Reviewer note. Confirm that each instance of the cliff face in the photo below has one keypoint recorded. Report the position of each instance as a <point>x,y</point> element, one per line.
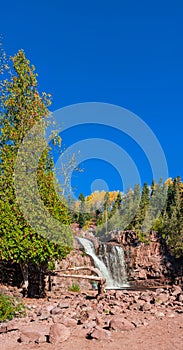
<point>147,261</point>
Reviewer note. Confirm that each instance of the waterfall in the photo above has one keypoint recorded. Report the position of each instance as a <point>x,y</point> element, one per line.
<point>110,262</point>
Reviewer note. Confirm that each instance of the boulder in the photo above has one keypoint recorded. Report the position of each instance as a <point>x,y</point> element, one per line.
<point>34,334</point>
<point>119,323</point>
<point>58,333</point>
<point>68,321</point>
<point>100,334</point>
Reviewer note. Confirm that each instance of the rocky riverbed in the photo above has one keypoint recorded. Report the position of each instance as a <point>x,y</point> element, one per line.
<point>122,319</point>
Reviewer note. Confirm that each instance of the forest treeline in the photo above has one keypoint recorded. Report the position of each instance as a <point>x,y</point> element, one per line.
<point>157,207</point>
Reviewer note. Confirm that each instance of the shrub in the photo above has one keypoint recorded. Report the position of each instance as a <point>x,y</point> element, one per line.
<point>74,288</point>
<point>10,307</point>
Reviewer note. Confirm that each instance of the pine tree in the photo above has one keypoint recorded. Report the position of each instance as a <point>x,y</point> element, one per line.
<point>82,210</point>
<point>116,205</point>
<point>173,217</point>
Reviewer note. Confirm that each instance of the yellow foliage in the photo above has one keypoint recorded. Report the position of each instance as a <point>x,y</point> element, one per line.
<point>169,182</point>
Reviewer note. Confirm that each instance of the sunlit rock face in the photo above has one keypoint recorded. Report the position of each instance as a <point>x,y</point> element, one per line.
<point>147,261</point>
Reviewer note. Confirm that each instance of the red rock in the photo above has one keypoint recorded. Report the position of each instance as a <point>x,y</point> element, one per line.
<point>141,302</point>
<point>3,329</point>
<point>159,314</point>
<point>68,322</point>
<point>63,305</point>
<point>146,307</point>
<point>58,333</point>
<point>84,315</point>
<point>176,290</point>
<point>44,315</point>
<point>56,311</point>
<point>90,324</point>
<point>80,332</point>
<point>30,337</point>
<point>121,324</point>
<point>163,298</point>
<point>100,334</point>
<point>100,321</point>
<point>13,325</point>
<point>142,274</point>
<point>34,334</point>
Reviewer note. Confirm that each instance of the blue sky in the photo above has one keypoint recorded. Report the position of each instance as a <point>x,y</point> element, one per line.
<point>127,53</point>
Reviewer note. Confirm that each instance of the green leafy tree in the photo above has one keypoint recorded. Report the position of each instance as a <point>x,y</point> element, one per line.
<point>22,107</point>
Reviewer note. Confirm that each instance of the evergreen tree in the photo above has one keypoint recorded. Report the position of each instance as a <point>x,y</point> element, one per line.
<point>81,217</point>
<point>106,208</point>
<point>22,107</point>
<point>142,208</point>
<point>173,217</point>
<point>116,205</point>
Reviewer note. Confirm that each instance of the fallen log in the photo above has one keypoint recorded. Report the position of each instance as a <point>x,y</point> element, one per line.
<point>100,279</point>
<point>88,277</point>
<point>90,268</point>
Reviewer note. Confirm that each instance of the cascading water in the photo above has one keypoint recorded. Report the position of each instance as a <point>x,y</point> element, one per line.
<point>113,258</point>
<point>110,262</point>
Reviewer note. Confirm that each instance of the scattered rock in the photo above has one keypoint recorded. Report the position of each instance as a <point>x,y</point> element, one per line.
<point>163,298</point>
<point>34,334</point>
<point>120,324</point>
<point>56,311</point>
<point>159,314</point>
<point>68,322</point>
<point>3,328</point>
<point>55,320</point>
<point>180,298</point>
<point>63,305</point>
<point>44,316</point>
<point>100,334</point>
<point>146,307</point>
<point>58,333</point>
<point>176,290</point>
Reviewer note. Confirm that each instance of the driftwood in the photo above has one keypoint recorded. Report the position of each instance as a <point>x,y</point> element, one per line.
<point>99,278</point>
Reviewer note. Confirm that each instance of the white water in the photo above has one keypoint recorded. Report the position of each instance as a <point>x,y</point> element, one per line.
<point>110,262</point>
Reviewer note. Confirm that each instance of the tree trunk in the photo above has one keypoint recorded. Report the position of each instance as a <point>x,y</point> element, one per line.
<point>25,275</point>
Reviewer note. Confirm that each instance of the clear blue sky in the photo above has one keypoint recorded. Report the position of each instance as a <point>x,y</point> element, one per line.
<point>128,53</point>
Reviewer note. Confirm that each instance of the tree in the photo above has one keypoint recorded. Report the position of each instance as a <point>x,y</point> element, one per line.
<point>83,216</point>
<point>123,211</point>
<point>22,108</point>
<point>172,227</point>
<point>142,209</point>
<point>82,209</point>
<point>116,205</point>
<point>106,208</point>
